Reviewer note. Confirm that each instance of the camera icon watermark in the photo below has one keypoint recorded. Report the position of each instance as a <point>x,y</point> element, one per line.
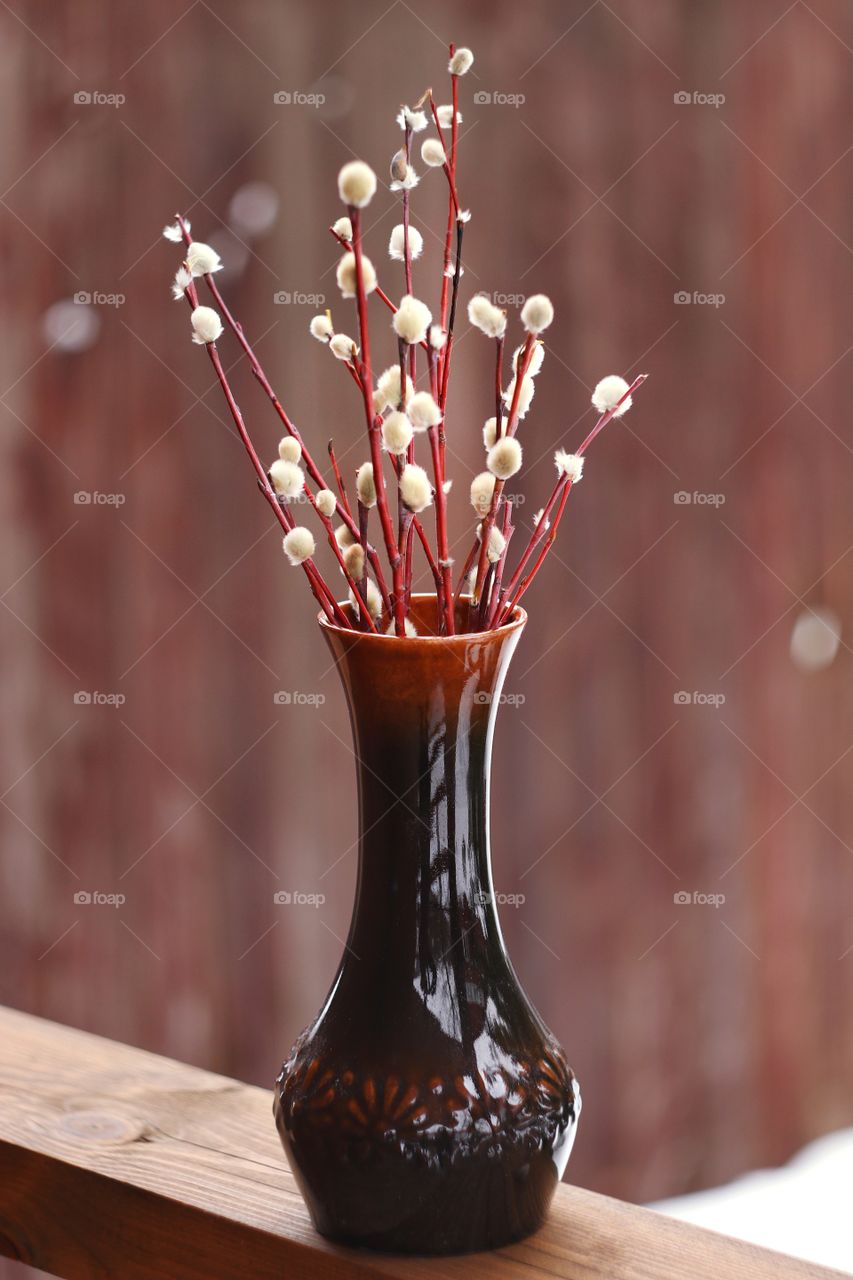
<point>683,298</point>
<point>696,899</point>
<point>698,99</point>
<point>684,698</point>
<point>296,898</point>
<point>682,498</point>
<point>296,698</point>
<point>283,298</point>
<point>497,98</point>
<point>500,899</point>
<point>94,698</point>
<point>83,298</point>
<point>85,898</point>
<point>94,498</point>
<point>95,98</point>
<point>296,98</point>
<point>503,699</point>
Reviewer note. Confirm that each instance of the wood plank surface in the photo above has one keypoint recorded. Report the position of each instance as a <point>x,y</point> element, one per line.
<point>117,1162</point>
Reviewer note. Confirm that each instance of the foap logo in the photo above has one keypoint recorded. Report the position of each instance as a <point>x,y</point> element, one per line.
<point>500,899</point>
<point>94,498</point>
<point>84,898</point>
<point>503,699</point>
<point>296,898</point>
<point>98,299</point>
<point>95,98</point>
<point>283,298</point>
<point>696,899</point>
<point>497,98</point>
<point>684,698</point>
<point>295,698</point>
<point>94,698</point>
<point>296,98</point>
<point>697,98</point>
<point>682,498</point>
<point>509,299</point>
<point>683,298</point>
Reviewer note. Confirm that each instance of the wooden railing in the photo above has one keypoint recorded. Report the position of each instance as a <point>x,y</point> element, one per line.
<point>116,1162</point>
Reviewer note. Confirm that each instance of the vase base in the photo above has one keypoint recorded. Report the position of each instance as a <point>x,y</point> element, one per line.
<point>427,1167</point>
<point>469,1211</point>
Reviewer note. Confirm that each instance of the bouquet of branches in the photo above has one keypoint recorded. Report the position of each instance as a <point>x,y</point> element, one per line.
<point>405,409</point>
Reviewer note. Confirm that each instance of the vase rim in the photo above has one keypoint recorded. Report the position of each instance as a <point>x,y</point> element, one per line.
<point>515,623</point>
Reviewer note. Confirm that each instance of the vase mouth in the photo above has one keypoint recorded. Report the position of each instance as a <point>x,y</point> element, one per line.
<point>423,611</point>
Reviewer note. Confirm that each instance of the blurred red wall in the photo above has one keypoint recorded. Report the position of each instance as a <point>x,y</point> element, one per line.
<point>708,1039</point>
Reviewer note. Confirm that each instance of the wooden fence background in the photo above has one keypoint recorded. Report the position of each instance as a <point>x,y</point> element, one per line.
<point>708,1039</point>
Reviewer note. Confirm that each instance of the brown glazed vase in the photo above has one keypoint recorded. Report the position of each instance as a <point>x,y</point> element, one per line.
<point>427,1109</point>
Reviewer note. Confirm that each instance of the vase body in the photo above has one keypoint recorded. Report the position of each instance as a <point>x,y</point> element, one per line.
<point>427,1109</point>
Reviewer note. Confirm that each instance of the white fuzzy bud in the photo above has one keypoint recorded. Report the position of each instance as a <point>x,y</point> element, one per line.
<point>387,393</point>
<point>609,392</point>
<point>354,561</point>
<point>289,450</point>
<point>490,432</point>
<point>408,626</point>
<point>485,316</point>
<point>497,542</point>
<point>343,537</point>
<point>321,328</point>
<point>569,464</point>
<point>343,228</point>
<point>423,411</point>
<point>365,485</point>
<point>357,184</point>
<point>537,313</point>
<point>397,243</point>
<point>172,231</point>
<point>346,275</point>
<point>536,519</point>
<point>202,260</point>
<point>411,320</point>
<point>206,325</point>
<point>415,488</point>
<point>287,478</point>
<point>372,598</point>
<point>482,488</point>
<point>342,347</point>
<point>504,458</point>
<point>432,153</point>
<point>416,121</point>
<point>407,180</point>
<point>525,395</point>
<point>397,432</point>
<point>326,503</point>
<point>437,337</point>
<point>299,544</point>
<point>462,61</point>
<point>537,355</point>
<point>180,282</point>
<point>445,116</point>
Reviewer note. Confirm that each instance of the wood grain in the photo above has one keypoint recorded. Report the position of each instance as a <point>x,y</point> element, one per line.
<point>114,1161</point>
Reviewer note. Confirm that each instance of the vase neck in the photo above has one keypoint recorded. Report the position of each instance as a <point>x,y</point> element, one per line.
<point>423,714</point>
